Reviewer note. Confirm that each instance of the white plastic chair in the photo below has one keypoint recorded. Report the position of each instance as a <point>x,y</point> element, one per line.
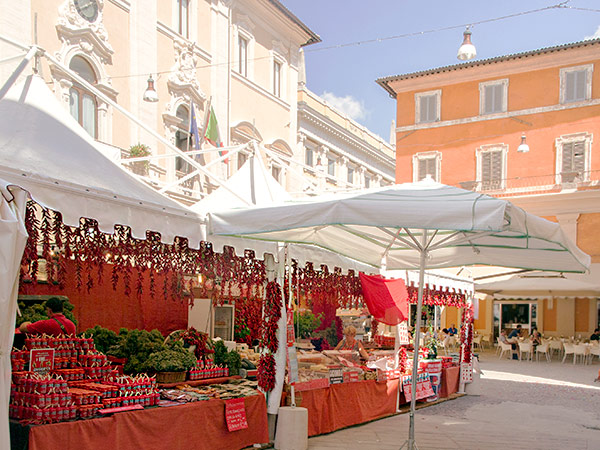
<point>581,350</point>
<point>557,345</point>
<point>526,347</point>
<point>544,348</point>
<point>504,348</point>
<point>485,340</point>
<point>569,349</point>
<point>594,350</point>
<point>477,341</point>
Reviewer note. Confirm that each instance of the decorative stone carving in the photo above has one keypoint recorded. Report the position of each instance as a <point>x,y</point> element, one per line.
<point>90,38</point>
<point>183,86</point>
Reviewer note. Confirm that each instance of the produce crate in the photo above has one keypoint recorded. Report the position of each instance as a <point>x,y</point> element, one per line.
<point>170,377</point>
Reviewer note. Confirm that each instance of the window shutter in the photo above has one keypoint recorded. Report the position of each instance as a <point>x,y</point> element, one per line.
<point>570,87</point>
<point>491,169</point>
<point>580,82</point>
<point>579,158</point>
<point>496,163</point>
<point>573,161</point>
<point>575,85</point>
<point>489,99</point>
<point>422,169</point>
<point>498,95</point>
<point>427,166</point>
<point>424,106</point>
<point>432,108</point>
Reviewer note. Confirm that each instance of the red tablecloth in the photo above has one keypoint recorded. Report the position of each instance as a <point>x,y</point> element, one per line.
<point>450,377</point>
<point>199,425</point>
<point>346,404</point>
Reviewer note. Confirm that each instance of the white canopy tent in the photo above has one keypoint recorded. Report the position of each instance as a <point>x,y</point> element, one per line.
<point>412,226</point>
<point>538,286</point>
<point>13,237</point>
<point>45,151</point>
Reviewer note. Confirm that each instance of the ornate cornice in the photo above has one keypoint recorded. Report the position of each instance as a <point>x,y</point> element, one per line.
<point>332,129</point>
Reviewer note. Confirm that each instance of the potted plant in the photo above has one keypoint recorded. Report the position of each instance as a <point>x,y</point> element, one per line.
<point>171,363</point>
<point>139,151</point>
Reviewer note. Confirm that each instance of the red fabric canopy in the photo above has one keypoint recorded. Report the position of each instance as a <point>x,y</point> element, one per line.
<point>387,300</point>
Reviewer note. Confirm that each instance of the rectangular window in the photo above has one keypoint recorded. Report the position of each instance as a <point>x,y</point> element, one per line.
<point>427,106</point>
<point>493,97</point>
<point>308,157</point>
<point>576,83</point>
<point>573,161</point>
<point>277,79</point>
<point>575,86</point>
<point>243,56</point>
<point>183,18</point>
<point>428,166</point>
<point>491,170</point>
<point>241,159</point>
<point>367,182</point>
<point>350,178</point>
<point>331,167</point>
<point>276,172</point>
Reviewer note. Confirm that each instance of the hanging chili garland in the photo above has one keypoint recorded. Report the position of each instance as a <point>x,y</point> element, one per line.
<point>266,372</point>
<point>466,334</point>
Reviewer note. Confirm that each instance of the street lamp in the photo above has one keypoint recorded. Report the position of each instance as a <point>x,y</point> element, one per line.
<point>150,94</point>
<point>467,49</point>
<point>523,147</point>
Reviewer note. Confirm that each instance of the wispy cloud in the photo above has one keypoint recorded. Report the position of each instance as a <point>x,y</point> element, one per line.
<point>354,108</point>
<point>596,35</point>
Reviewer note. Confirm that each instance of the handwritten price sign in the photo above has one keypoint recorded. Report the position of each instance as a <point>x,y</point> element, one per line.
<point>235,414</point>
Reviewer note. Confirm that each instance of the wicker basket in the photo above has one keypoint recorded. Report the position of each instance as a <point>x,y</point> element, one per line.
<point>170,377</point>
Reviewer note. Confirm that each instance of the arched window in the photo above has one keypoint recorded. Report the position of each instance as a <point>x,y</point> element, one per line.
<point>182,136</point>
<point>82,103</point>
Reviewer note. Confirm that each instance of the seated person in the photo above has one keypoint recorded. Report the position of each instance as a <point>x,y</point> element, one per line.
<point>56,325</point>
<point>535,338</point>
<point>452,331</point>
<point>350,343</point>
<point>503,337</point>
<point>513,339</point>
<point>595,335</point>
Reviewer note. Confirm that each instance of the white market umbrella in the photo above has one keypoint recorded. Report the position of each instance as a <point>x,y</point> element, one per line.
<point>420,226</point>
<point>538,286</point>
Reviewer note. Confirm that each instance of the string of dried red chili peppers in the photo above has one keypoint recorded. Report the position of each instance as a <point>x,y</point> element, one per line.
<point>266,372</point>
<point>466,335</point>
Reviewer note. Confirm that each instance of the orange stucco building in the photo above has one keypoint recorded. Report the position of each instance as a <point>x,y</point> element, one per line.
<point>464,124</point>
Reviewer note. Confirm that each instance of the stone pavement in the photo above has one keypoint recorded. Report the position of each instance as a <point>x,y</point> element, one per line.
<point>529,405</point>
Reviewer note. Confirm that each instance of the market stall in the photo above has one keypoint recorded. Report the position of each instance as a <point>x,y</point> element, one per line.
<point>193,425</point>
<point>128,234</point>
<point>413,226</point>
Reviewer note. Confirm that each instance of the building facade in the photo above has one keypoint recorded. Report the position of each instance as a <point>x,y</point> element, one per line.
<point>339,153</point>
<point>240,59</point>
<point>522,127</point>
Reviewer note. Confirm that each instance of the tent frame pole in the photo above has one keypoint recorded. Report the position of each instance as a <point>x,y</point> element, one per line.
<point>410,443</point>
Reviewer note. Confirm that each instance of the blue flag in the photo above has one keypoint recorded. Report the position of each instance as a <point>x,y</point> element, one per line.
<point>194,130</point>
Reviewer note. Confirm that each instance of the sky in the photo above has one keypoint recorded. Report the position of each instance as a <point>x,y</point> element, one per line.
<point>345,74</point>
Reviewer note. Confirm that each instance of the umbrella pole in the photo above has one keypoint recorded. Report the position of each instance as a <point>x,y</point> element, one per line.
<point>411,445</point>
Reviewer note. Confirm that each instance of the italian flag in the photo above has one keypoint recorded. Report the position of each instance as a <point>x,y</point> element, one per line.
<point>212,134</point>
